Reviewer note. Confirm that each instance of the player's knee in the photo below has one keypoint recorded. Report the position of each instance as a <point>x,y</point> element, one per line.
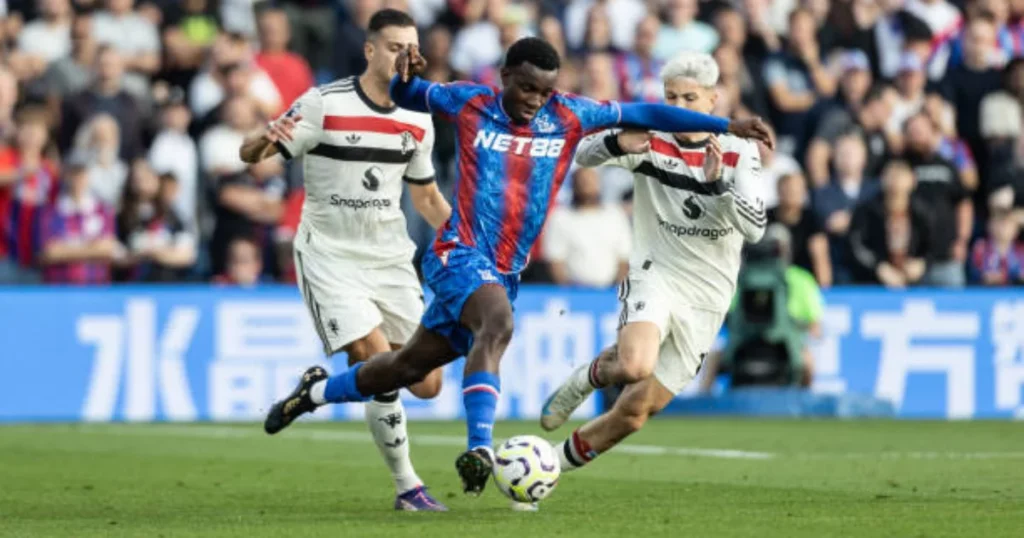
<point>497,330</point>
<point>636,371</point>
<point>635,364</point>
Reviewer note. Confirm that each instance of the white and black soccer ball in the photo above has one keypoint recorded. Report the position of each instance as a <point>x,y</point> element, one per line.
<point>526,468</point>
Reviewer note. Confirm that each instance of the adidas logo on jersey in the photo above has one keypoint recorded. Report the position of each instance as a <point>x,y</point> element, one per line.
<point>519,145</point>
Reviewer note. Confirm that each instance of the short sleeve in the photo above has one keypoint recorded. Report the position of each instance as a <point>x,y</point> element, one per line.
<point>421,168</point>
<point>594,115</point>
<point>308,131</point>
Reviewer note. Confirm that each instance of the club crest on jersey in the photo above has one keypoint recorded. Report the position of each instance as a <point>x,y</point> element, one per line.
<point>519,145</point>
<point>408,142</point>
<point>544,125</point>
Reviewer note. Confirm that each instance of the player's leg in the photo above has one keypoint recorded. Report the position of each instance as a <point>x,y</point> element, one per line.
<point>488,315</point>
<point>386,419</point>
<point>644,318</point>
<point>638,402</point>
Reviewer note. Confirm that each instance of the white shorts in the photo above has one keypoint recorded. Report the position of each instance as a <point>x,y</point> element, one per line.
<point>687,333</point>
<point>348,301</point>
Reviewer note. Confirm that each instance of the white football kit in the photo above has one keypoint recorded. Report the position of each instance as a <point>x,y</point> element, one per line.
<point>353,254</point>
<point>688,236</point>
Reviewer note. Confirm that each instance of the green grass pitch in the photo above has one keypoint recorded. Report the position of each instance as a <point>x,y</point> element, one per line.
<point>680,478</point>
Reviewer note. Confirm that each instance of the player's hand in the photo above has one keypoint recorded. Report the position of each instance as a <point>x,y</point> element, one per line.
<point>753,128</point>
<point>282,128</point>
<point>713,159</point>
<point>635,141</point>
<point>410,63</point>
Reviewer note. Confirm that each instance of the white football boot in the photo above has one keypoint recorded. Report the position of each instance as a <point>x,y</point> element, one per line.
<point>566,398</point>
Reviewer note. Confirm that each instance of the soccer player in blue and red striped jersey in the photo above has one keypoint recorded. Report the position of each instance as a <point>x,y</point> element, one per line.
<point>514,149</point>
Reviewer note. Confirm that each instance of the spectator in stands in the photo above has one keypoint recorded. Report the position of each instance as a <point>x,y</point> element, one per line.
<point>218,148</point>
<point>868,119</point>
<point>9,96</point>
<point>796,80</point>
<point>951,147</point>
<point>477,45</point>
<point>314,24</point>
<point>967,84</point>
<point>106,95</point>
<point>910,86</point>
<point>131,34</point>
<point>232,55</point>
<point>1001,129</point>
<point>626,14</point>
<point>598,36</point>
<point>941,189</point>
<point>639,71</point>
<point>835,202</point>
<point>550,30</point>
<point>587,243</point>
<point>890,233</point>
<point>189,31</point>
<point>737,84</point>
<point>78,232</point>
<point>28,184</point>
<point>48,38</point>
<point>682,32</point>
<point>99,140</point>
<point>599,77</point>
<point>244,264</point>
<point>775,166</point>
<point>174,152</point>
<point>248,204</point>
<point>998,258</point>
<point>289,71</point>
<point>349,59</point>
<point>72,73</point>
<point>809,243</point>
<point>237,83</point>
<point>160,248</point>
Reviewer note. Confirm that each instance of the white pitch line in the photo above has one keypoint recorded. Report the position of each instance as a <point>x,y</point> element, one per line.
<point>417,439</point>
<point>198,430</point>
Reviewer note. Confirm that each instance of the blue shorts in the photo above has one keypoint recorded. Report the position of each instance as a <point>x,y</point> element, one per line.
<point>453,280</point>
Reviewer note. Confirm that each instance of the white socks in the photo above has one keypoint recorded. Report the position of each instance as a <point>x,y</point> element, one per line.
<point>386,418</point>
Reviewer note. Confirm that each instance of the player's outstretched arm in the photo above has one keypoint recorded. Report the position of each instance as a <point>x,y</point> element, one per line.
<point>659,117</point>
<point>410,94</point>
<point>623,149</point>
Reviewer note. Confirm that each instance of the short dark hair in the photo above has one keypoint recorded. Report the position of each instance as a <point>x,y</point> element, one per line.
<point>389,17</point>
<point>533,51</point>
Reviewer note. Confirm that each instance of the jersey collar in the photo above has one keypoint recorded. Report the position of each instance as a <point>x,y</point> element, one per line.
<point>369,102</point>
<point>686,144</point>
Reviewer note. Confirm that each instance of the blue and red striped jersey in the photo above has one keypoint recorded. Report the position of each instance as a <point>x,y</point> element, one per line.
<point>507,174</point>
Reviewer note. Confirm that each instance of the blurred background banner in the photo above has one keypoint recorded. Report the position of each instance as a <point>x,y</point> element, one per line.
<point>196,353</point>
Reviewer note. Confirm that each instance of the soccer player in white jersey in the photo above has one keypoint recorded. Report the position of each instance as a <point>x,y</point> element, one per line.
<point>697,199</point>
<point>353,255</point>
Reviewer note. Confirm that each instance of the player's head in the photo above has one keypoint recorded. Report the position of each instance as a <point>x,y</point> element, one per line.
<point>390,32</point>
<point>528,76</point>
<point>689,80</point>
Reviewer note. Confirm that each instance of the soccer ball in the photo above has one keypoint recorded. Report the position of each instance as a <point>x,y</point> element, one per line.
<point>526,468</point>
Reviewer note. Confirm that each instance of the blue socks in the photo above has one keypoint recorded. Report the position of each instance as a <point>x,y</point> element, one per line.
<point>480,391</point>
<point>342,387</point>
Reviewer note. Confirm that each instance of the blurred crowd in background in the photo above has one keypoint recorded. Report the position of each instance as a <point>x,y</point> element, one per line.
<point>899,159</point>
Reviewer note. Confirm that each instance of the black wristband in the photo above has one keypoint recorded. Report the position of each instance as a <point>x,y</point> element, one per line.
<point>612,143</point>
